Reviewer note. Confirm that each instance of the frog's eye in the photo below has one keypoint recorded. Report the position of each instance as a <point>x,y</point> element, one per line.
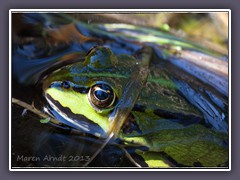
<point>101,96</point>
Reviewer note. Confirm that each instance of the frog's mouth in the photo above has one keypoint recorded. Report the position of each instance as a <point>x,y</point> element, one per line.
<point>81,123</point>
<point>76,121</point>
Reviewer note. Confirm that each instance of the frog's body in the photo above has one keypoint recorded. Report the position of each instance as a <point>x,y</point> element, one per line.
<point>162,117</point>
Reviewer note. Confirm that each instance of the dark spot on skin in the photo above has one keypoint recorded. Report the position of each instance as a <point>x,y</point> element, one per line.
<point>139,108</point>
<point>184,119</point>
<point>65,84</point>
<point>80,89</point>
<point>130,125</point>
<point>165,114</point>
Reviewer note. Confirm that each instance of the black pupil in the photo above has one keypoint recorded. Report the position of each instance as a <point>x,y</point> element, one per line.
<point>101,95</point>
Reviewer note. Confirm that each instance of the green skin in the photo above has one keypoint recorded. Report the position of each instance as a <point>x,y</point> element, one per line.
<point>169,143</point>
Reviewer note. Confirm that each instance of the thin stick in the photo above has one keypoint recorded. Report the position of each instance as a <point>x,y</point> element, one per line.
<point>99,150</point>
<point>33,110</point>
<point>130,157</point>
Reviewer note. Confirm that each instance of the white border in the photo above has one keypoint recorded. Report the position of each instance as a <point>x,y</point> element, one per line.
<point>114,11</point>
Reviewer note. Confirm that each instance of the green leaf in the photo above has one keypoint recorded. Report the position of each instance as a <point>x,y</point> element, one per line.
<point>46,120</point>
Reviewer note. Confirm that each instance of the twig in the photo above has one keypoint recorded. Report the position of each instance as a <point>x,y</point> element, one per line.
<point>130,157</point>
<point>99,150</point>
<point>33,109</point>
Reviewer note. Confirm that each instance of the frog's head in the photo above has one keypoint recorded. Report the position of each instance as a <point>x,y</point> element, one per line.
<point>84,94</point>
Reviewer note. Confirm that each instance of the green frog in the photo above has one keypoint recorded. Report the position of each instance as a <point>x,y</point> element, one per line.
<point>133,99</point>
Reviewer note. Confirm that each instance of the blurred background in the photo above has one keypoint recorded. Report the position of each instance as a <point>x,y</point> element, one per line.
<point>209,29</point>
